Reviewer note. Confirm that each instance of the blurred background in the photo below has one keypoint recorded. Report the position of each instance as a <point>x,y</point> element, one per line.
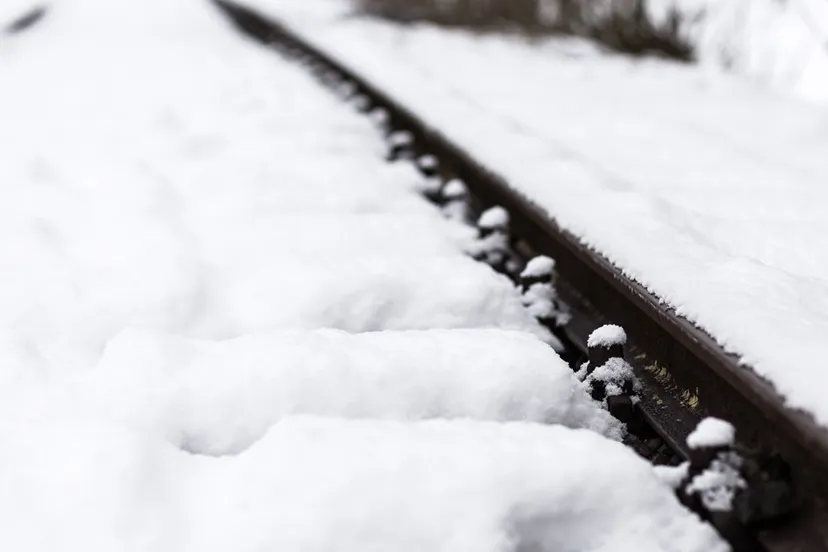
<point>784,41</point>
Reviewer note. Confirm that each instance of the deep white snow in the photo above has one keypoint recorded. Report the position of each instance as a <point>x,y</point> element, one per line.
<point>170,196</point>
<point>326,485</point>
<point>707,188</point>
<point>220,397</point>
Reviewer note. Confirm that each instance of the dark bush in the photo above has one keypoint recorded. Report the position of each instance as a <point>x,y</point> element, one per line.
<point>623,25</point>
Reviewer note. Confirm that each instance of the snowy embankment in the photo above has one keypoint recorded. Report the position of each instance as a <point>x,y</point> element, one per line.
<point>170,197</point>
<point>704,187</point>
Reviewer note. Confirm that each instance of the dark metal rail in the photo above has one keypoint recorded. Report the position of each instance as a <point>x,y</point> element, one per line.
<point>25,21</point>
<point>686,375</point>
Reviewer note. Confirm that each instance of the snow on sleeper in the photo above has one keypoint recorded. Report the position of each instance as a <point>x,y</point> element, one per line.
<point>367,294</point>
<point>220,397</point>
<point>323,485</point>
<point>294,237</point>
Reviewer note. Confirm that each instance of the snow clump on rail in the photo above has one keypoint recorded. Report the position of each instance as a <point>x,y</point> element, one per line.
<point>607,336</point>
<point>538,267</point>
<point>494,218</point>
<point>220,397</point>
<point>712,433</point>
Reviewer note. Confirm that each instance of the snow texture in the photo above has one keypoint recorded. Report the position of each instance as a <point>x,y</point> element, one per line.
<point>166,186</point>
<point>310,236</point>
<point>708,189</point>
<point>712,432</point>
<point>607,336</point>
<point>364,293</point>
<point>327,484</point>
<point>615,375</point>
<point>220,397</point>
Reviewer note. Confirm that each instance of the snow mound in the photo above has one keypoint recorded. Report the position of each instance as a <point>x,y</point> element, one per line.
<point>332,236</point>
<point>329,485</point>
<point>351,486</point>
<point>220,397</point>
<point>362,294</point>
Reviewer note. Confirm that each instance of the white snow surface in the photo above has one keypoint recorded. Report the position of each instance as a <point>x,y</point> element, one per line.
<point>315,236</point>
<point>220,397</point>
<point>326,484</point>
<point>364,293</point>
<point>706,188</point>
<point>154,166</point>
<point>133,192</point>
<point>712,432</point>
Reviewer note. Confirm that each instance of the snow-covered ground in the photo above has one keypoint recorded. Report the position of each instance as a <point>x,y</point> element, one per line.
<point>705,187</point>
<point>180,213</point>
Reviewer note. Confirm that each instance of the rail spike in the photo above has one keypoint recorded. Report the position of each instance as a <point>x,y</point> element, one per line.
<point>539,294</point>
<point>454,199</point>
<point>400,145</point>
<point>608,377</point>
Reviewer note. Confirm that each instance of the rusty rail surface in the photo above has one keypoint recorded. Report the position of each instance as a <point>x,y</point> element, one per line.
<point>685,374</point>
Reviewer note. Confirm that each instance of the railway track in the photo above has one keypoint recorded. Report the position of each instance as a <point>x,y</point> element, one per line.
<point>684,375</point>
